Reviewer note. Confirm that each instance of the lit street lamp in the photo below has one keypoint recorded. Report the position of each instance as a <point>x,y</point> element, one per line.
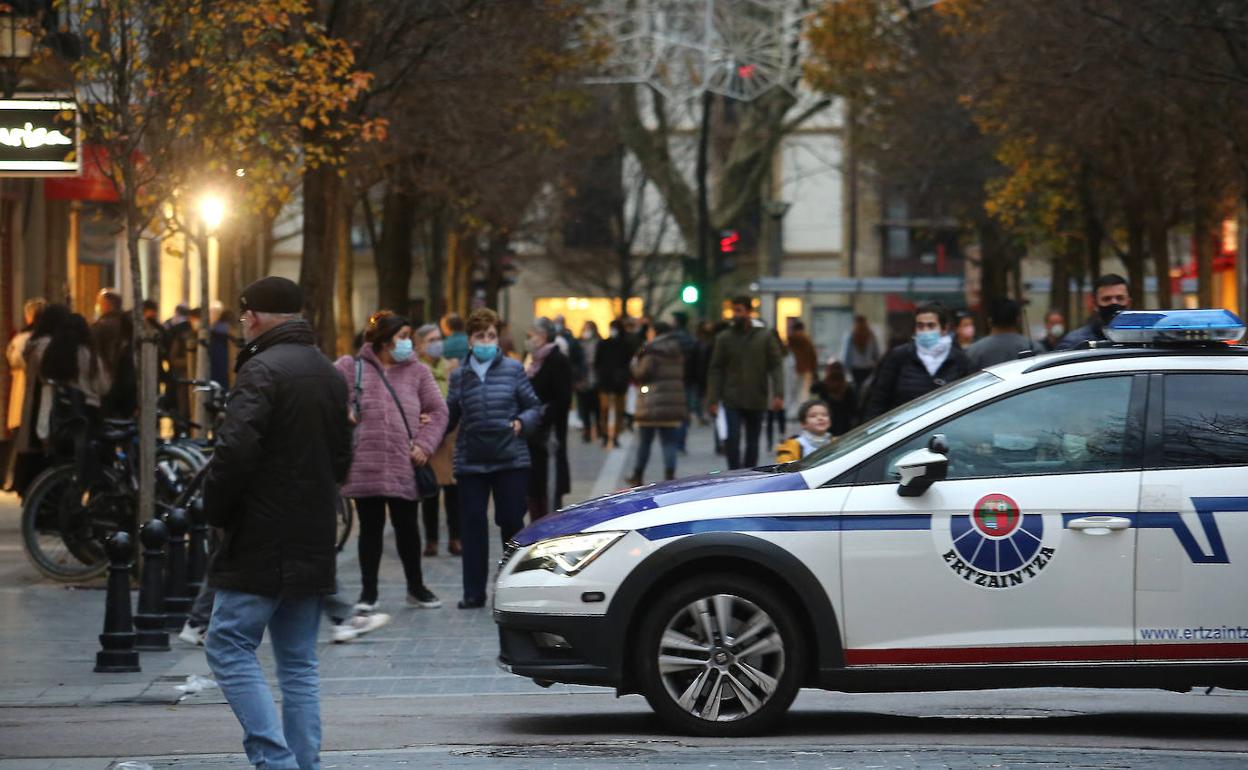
<point>212,212</point>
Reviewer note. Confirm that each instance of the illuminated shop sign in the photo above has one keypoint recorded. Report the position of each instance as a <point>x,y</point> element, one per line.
<point>38,137</point>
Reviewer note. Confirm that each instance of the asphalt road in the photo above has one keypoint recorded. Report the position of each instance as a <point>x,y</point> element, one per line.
<point>424,692</point>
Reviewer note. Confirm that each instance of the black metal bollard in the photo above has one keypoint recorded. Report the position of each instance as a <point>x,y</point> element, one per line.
<point>197,555</point>
<point>117,653</point>
<point>177,595</point>
<point>149,621</point>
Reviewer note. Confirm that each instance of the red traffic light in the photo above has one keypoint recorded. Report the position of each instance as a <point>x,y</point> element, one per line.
<point>728,241</point>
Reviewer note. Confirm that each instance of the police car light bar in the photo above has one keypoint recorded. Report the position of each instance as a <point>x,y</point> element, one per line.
<point>1170,326</point>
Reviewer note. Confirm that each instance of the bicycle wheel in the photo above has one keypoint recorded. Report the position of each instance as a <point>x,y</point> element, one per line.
<point>64,525</point>
<point>346,515</point>
<point>176,469</point>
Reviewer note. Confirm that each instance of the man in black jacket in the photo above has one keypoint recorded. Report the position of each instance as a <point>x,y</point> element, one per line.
<point>919,366</point>
<point>283,449</point>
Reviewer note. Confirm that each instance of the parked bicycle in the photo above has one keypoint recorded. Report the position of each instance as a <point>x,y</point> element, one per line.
<point>73,507</point>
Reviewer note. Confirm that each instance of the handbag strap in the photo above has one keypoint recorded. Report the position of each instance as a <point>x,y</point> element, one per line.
<point>385,381</point>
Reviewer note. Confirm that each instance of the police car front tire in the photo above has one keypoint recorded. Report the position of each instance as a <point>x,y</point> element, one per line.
<point>720,655</point>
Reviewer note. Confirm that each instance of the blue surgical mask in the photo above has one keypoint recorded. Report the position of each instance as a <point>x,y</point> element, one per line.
<point>485,353</point>
<point>434,349</point>
<point>402,350</point>
<point>927,340</point>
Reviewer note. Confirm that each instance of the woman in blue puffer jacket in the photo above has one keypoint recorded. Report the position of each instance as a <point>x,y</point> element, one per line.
<point>492,402</point>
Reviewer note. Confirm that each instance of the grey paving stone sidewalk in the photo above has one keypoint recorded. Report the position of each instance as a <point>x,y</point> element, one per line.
<point>50,631</point>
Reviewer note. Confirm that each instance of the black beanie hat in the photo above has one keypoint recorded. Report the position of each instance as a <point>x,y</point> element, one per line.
<point>272,294</point>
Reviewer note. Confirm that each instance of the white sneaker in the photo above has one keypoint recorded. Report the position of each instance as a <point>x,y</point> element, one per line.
<point>193,634</point>
<point>364,608</point>
<point>359,625</point>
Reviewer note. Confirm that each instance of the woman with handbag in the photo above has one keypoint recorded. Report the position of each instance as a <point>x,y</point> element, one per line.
<point>494,406</point>
<point>400,417</point>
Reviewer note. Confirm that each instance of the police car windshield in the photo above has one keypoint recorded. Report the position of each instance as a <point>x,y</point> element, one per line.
<point>848,442</point>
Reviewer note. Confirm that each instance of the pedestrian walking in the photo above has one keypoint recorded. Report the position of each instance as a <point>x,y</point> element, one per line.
<point>551,374</point>
<point>400,418</point>
<point>112,337</point>
<point>430,349</point>
<point>492,403</point>
<point>29,457</point>
<point>282,449</point>
<point>79,383</point>
<point>745,363</point>
<point>220,338</point>
<point>1054,330</point>
<point>180,341</point>
<point>587,404</point>
<point>31,310</point>
<point>1005,339</point>
<point>689,349</point>
<point>920,366</point>
<point>862,352</point>
<point>964,330</point>
<point>611,362</point>
<point>659,371</point>
<point>840,396</point>
<point>454,340</point>
<point>788,376</point>
<point>1110,297</point>
<point>805,359</point>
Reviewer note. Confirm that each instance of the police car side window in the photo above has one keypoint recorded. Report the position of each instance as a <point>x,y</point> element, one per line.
<point>1078,426</point>
<point>1206,420</point>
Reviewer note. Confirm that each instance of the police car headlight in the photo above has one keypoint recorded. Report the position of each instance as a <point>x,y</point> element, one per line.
<point>567,555</point>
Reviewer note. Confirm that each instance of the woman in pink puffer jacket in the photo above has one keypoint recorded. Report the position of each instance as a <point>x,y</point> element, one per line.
<point>382,472</point>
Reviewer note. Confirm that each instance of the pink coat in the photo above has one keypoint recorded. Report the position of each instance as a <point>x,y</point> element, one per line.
<point>381,466</point>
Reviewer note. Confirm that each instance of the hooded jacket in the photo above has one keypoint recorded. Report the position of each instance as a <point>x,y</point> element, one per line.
<point>272,484</point>
<point>659,370</point>
<point>382,464</point>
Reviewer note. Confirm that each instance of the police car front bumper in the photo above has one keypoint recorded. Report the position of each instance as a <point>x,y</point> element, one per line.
<point>571,649</point>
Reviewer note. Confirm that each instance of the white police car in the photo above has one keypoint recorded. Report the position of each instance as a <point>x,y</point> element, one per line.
<point>1076,518</point>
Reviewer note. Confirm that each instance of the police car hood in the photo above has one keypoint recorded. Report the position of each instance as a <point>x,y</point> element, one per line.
<point>578,518</point>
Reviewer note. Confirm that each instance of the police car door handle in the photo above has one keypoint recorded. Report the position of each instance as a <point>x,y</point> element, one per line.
<point>1099,525</point>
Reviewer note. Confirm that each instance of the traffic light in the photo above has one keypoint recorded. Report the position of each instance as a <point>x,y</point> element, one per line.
<point>691,285</point>
<point>726,254</point>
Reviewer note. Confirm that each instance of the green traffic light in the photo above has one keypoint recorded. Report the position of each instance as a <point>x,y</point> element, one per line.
<point>689,294</point>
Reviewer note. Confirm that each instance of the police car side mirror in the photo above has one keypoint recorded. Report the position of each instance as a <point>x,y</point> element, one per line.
<point>923,467</point>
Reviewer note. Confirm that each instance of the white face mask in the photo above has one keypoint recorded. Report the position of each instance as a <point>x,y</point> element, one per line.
<point>1057,330</point>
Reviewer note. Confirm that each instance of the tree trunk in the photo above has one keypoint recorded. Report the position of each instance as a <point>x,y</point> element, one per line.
<point>316,268</point>
<point>345,260</point>
<point>144,346</point>
<point>1059,289</point>
<point>499,244</point>
<point>1134,258</point>
<point>994,263</point>
<point>1093,229</point>
<point>1159,249</point>
<point>1203,236</point>
<point>394,253</point>
<point>435,268</point>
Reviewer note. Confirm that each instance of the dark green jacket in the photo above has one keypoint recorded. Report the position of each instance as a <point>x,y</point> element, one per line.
<point>740,368</point>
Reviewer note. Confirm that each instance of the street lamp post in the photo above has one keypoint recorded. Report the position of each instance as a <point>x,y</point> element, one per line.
<point>212,211</point>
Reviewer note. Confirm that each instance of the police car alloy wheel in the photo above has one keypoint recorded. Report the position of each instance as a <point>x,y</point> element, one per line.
<point>720,655</point>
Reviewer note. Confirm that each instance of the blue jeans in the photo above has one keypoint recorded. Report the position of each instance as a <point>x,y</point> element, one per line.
<point>669,438</point>
<point>238,623</point>
<point>509,489</point>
